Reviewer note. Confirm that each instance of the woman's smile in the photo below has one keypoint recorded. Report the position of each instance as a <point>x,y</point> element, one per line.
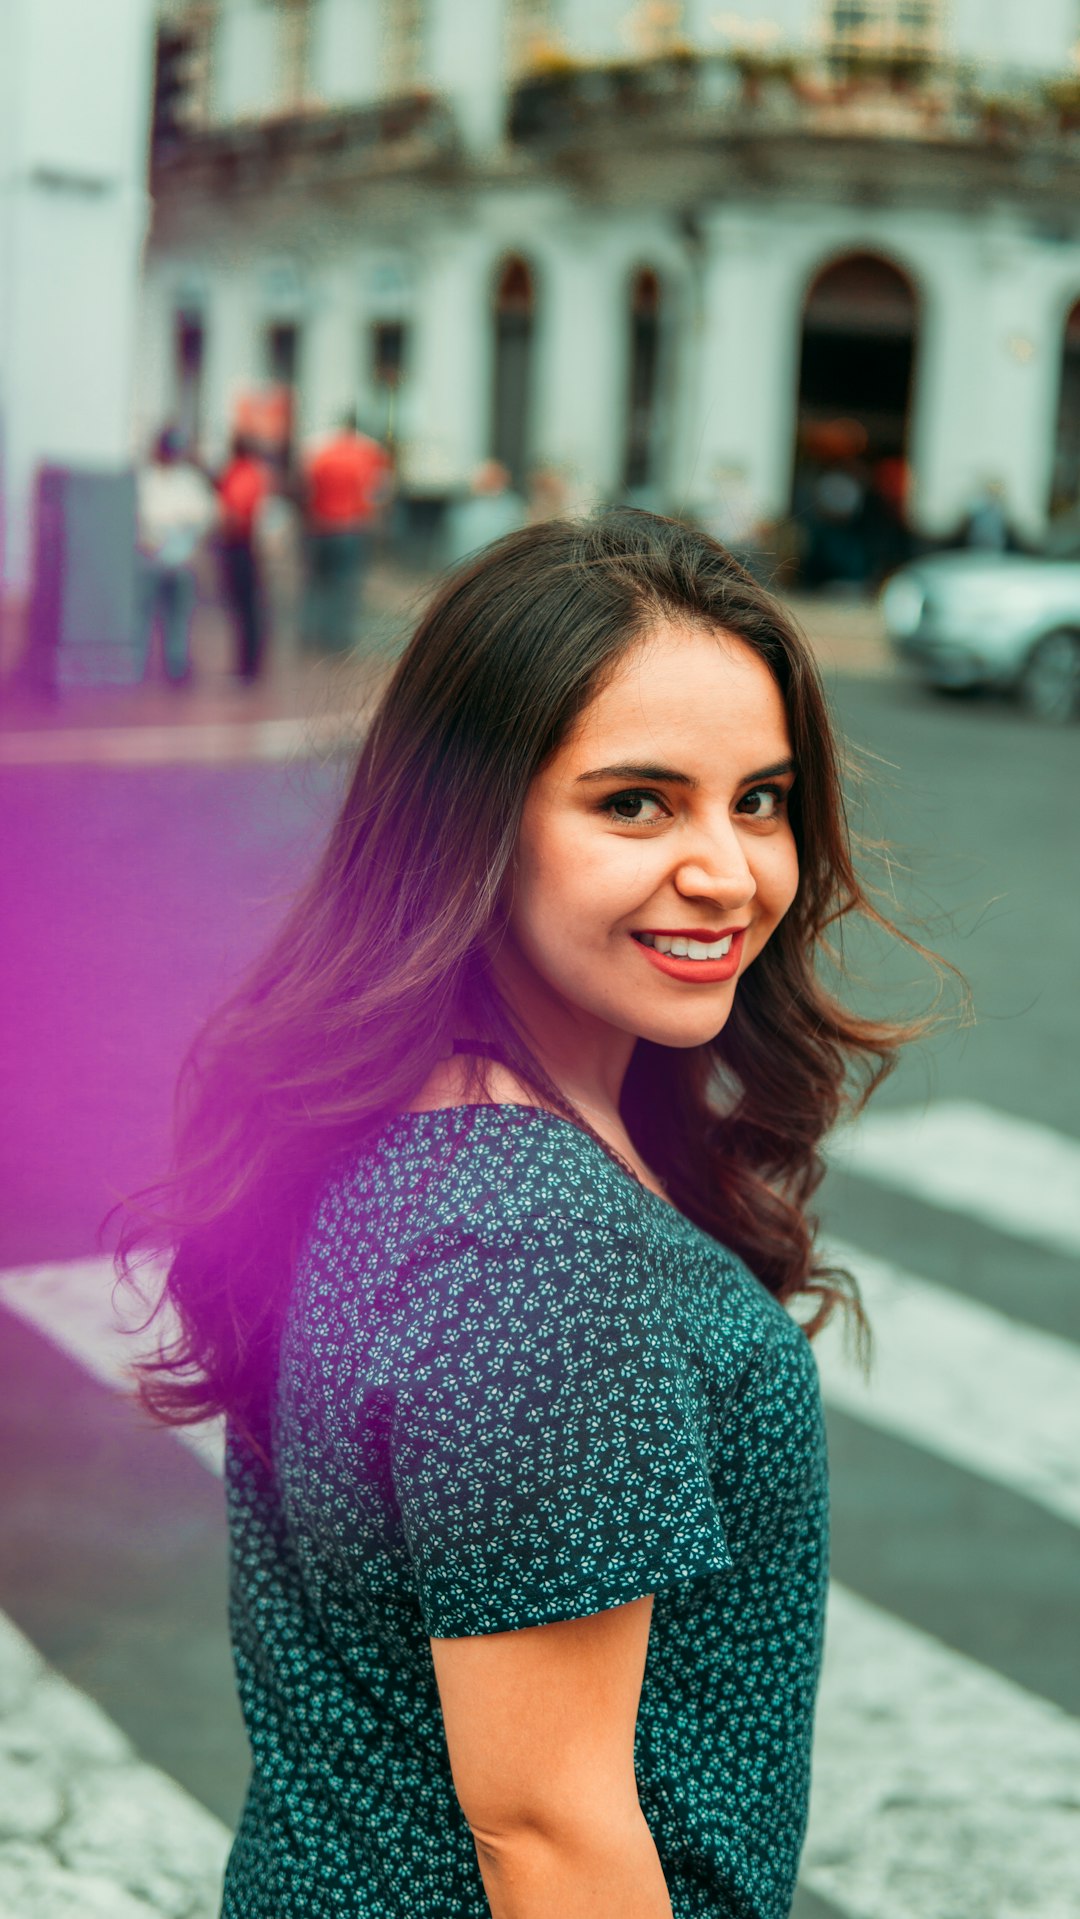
<point>658,838</point>
<point>702,961</point>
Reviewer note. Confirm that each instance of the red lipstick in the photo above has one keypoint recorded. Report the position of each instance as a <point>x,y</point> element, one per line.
<point>699,972</point>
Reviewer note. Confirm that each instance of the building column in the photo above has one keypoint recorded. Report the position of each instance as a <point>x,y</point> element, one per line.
<point>330,358</point>
<point>987,378</point>
<point>231,354</point>
<point>466,61</point>
<point>450,376</point>
<point>744,369</point>
<point>73,215</point>
<point>581,367</point>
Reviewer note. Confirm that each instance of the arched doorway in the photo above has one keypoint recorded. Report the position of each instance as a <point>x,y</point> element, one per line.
<point>1065,484</point>
<point>511,423</point>
<point>643,391</point>
<point>856,370</point>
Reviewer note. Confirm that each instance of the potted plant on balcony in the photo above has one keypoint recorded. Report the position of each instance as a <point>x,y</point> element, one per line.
<point>1063,98</point>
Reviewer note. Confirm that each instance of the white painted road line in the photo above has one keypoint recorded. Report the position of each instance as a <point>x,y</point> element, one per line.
<point>939,1788</point>
<point>78,1306</point>
<point>87,1827</point>
<point>962,1380</point>
<point>959,1379</point>
<point>1009,1173</point>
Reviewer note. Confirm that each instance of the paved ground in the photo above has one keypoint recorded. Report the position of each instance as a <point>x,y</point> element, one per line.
<point>302,705</point>
<point>949,1737</point>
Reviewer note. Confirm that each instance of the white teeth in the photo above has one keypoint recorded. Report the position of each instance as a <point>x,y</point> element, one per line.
<point>687,948</point>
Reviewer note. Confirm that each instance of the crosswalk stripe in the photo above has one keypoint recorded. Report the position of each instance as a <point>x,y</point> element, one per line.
<point>1010,1173</point>
<point>963,1381</point>
<point>78,1306</point>
<point>959,1379</point>
<point>88,1826</point>
<point>938,1786</point>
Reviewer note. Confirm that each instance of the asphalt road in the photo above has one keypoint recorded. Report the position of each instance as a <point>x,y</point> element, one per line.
<point>132,895</point>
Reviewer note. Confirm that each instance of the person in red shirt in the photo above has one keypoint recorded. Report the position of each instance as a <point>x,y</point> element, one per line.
<point>346,480</point>
<point>242,488</point>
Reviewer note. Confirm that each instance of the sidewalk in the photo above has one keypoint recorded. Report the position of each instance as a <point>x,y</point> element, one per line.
<point>87,1829</point>
<point>305,708</point>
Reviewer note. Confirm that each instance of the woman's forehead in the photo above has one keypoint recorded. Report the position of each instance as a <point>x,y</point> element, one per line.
<point>680,686</point>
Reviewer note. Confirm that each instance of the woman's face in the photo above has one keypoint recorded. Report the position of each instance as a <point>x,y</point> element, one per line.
<point>661,821</point>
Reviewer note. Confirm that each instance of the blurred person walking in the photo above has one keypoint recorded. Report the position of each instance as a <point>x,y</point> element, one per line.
<point>242,490</point>
<point>346,482</point>
<point>175,508</point>
<point>490,509</point>
<point>987,527</point>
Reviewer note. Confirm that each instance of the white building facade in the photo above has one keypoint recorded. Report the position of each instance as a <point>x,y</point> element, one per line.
<point>643,245</point>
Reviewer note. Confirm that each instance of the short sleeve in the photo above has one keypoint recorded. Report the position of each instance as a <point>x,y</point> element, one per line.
<point>548,1440</point>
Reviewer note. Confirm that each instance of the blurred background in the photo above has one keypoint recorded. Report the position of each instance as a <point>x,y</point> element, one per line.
<point>302,300</point>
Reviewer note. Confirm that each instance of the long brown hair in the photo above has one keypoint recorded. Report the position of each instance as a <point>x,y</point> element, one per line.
<point>386,955</point>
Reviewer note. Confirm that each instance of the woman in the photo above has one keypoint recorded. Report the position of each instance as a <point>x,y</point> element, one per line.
<point>490,1199</point>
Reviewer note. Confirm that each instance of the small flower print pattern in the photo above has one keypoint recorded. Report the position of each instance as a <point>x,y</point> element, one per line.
<point>517,1386</point>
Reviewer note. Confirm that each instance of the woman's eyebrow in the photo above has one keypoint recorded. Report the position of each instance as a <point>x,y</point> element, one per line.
<point>639,773</point>
<point>668,773</point>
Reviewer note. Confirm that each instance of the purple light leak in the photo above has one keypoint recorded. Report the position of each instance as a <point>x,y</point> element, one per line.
<point>129,899</point>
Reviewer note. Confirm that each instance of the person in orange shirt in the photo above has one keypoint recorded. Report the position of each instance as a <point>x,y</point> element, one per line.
<point>346,481</point>
<point>242,488</point>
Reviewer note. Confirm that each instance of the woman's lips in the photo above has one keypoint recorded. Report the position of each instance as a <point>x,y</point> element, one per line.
<point>701,972</point>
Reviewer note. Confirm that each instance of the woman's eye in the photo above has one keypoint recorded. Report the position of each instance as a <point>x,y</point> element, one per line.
<point>763,802</point>
<point>633,808</point>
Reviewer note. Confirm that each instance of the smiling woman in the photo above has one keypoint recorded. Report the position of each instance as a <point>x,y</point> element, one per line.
<point>491,1189</point>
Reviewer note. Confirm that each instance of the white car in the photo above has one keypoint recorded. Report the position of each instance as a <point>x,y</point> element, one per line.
<point>1003,620</point>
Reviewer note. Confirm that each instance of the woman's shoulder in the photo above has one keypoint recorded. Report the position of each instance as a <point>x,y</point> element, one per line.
<point>487,1169</point>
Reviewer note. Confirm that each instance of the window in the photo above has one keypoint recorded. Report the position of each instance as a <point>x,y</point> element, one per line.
<point>189,344</point>
<point>639,457</point>
<point>885,28</point>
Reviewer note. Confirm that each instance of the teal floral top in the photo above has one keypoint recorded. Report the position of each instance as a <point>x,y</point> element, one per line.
<point>517,1386</point>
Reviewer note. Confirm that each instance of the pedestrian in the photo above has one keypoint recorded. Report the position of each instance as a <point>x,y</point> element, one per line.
<point>489,1207</point>
<point>243,489</point>
<point>490,509</point>
<point>987,527</point>
<point>175,509</point>
<point>346,483</point>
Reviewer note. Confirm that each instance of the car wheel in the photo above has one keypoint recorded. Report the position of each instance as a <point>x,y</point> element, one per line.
<point>1050,682</point>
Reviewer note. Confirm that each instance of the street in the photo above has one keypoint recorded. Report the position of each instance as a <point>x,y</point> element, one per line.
<point>949,1728</point>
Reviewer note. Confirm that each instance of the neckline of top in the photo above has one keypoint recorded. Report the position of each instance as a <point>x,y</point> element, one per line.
<point>538,1112</point>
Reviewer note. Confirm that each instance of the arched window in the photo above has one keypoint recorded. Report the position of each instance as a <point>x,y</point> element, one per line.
<point>1065,492</point>
<point>511,423</point>
<point>860,325</point>
<point>859,336</point>
<point>639,463</point>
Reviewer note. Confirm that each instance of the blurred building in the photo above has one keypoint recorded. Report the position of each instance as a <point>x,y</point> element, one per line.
<point>74,112</point>
<point>660,248</point>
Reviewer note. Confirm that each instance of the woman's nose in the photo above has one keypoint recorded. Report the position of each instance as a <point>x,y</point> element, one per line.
<point>718,871</point>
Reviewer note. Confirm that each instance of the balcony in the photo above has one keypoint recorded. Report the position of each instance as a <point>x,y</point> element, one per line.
<point>783,119</point>
<point>309,148</point>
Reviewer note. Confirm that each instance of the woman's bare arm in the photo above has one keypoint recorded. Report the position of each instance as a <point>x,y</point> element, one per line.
<point>540,1729</point>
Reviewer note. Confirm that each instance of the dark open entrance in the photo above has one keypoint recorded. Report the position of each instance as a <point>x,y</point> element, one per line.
<point>639,462</point>
<point>189,344</point>
<point>282,349</point>
<point>858,352</point>
<point>511,424</point>
<point>859,336</point>
<point>1065,488</point>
